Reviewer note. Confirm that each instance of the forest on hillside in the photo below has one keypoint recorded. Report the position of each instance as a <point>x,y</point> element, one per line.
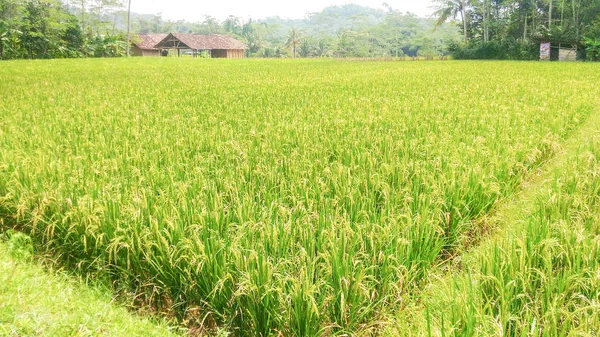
<point>498,29</point>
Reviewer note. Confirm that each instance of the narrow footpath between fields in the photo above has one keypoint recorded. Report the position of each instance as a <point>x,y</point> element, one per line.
<point>538,272</point>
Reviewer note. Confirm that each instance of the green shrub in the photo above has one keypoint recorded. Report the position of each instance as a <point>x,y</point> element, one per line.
<point>494,50</point>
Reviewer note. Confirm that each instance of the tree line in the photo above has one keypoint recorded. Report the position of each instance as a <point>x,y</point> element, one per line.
<point>37,29</point>
<point>337,31</point>
<point>513,29</point>
<point>498,29</point>
<point>96,28</point>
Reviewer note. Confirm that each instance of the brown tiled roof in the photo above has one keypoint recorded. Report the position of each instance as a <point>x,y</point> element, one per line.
<point>205,42</point>
<point>148,41</point>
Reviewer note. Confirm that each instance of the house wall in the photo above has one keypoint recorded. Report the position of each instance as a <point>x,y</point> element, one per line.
<point>215,53</point>
<point>569,55</point>
<point>235,53</point>
<point>136,51</point>
<point>218,53</point>
<point>153,53</point>
<point>227,53</point>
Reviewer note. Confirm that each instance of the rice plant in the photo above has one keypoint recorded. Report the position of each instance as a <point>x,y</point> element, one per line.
<point>541,279</point>
<point>272,197</point>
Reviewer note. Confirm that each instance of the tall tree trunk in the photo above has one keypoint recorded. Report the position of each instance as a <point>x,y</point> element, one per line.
<point>128,27</point>
<point>485,21</point>
<point>83,16</point>
<point>489,20</point>
<point>576,18</point>
<point>525,29</point>
<point>562,13</point>
<point>464,20</point>
<point>550,15</point>
<point>114,26</point>
<point>534,23</point>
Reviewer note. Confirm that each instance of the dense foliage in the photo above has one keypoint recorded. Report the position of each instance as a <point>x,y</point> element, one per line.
<point>513,29</point>
<point>37,29</point>
<point>338,31</point>
<point>256,203</point>
<point>58,29</point>
<point>467,29</point>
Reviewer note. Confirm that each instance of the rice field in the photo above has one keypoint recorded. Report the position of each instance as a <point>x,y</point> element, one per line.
<point>279,197</point>
<point>540,276</point>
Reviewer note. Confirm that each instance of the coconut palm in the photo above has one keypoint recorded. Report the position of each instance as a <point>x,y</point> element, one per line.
<point>306,48</point>
<point>233,25</point>
<point>293,39</point>
<point>446,9</point>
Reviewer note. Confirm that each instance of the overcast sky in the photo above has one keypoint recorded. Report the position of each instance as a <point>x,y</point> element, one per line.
<point>195,10</point>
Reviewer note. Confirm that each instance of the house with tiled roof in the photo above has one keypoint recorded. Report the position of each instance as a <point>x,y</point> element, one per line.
<point>213,45</point>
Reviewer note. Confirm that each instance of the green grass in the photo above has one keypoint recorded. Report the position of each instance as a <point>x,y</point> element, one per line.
<point>36,302</point>
<point>267,197</point>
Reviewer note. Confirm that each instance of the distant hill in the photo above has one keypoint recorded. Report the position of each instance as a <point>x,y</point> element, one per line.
<point>343,31</point>
<point>331,20</point>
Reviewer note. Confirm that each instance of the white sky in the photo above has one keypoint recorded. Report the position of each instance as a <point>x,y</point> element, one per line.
<point>195,10</point>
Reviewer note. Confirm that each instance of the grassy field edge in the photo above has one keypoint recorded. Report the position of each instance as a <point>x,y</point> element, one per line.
<point>35,301</point>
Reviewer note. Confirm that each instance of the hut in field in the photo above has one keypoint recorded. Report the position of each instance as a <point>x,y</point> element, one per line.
<point>144,44</point>
<point>559,51</point>
<point>214,45</point>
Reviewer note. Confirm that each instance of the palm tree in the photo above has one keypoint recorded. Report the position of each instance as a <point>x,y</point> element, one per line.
<point>321,49</point>
<point>232,25</point>
<point>306,48</point>
<point>451,9</point>
<point>293,39</point>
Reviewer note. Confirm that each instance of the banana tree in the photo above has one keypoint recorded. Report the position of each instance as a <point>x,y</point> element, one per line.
<point>592,48</point>
<point>9,42</point>
<point>3,41</point>
<point>109,46</point>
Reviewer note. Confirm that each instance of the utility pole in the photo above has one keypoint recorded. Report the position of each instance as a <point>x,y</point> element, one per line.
<point>128,27</point>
